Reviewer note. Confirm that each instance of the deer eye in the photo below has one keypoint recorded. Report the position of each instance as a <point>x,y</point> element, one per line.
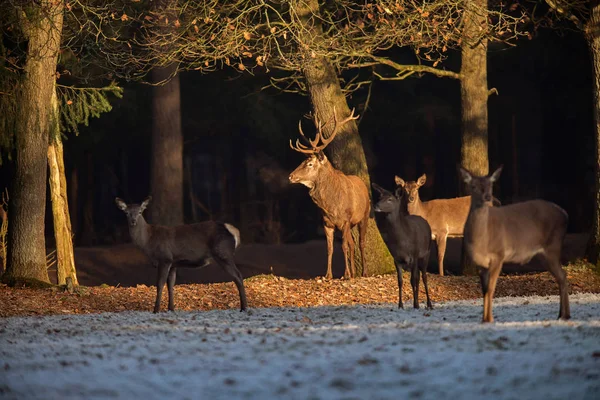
<point>310,164</point>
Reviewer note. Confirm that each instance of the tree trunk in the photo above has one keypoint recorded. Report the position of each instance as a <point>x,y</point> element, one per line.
<point>474,95</point>
<point>166,181</point>
<point>60,211</point>
<point>345,152</point>
<point>42,25</point>
<point>592,31</point>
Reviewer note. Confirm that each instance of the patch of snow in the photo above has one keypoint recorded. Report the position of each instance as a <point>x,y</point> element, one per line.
<point>350,352</point>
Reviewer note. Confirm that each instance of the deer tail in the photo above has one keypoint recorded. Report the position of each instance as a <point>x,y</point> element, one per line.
<point>235,232</point>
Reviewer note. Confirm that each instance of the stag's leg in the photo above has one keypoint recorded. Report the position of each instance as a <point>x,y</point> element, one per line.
<point>440,240</point>
<point>349,252</point>
<point>329,234</point>
<point>362,235</point>
<point>170,284</point>
<point>494,272</point>
<point>161,279</point>
<point>553,265</point>
<point>399,270</point>
<point>423,263</point>
<point>414,281</point>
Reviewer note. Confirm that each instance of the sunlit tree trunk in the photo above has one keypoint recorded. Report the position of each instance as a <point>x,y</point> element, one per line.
<point>592,31</point>
<point>41,23</point>
<point>474,96</point>
<point>346,151</point>
<point>65,259</point>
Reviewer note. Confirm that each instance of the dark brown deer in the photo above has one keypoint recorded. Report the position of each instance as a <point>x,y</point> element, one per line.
<point>343,199</point>
<point>513,233</point>
<point>193,245</point>
<point>446,217</point>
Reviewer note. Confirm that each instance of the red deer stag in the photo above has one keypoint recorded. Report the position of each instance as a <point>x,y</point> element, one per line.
<point>514,233</point>
<point>343,199</point>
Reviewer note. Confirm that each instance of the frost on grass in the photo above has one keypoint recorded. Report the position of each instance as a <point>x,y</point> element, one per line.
<point>363,351</point>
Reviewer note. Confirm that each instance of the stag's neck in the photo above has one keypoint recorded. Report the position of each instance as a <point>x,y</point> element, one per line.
<point>140,233</point>
<point>325,183</point>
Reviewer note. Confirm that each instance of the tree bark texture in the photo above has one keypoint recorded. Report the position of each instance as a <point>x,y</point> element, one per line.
<point>346,151</point>
<point>166,180</point>
<point>42,24</point>
<point>65,259</point>
<point>474,96</point>
<point>592,31</point>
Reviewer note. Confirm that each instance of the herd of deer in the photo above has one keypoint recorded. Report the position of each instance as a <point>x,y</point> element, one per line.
<point>492,234</point>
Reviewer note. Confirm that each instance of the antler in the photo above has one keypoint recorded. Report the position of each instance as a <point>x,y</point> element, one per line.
<point>315,147</point>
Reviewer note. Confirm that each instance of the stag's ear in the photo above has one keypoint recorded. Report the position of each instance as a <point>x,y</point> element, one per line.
<point>465,175</point>
<point>121,204</point>
<point>422,179</point>
<point>399,181</point>
<point>145,203</point>
<point>496,174</point>
<point>321,157</point>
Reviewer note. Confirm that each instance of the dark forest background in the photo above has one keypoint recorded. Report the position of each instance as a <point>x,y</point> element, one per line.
<point>237,156</point>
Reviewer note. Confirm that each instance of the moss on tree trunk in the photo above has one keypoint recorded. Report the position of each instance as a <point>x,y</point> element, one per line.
<point>474,95</point>
<point>42,25</point>
<point>346,151</point>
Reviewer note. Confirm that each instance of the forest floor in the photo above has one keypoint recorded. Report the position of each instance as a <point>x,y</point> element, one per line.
<point>276,291</point>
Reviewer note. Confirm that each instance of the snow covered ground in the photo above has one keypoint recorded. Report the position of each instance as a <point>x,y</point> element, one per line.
<point>359,352</point>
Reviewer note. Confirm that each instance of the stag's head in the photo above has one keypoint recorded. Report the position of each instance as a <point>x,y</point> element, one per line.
<point>480,187</point>
<point>133,211</point>
<point>411,188</point>
<point>308,171</point>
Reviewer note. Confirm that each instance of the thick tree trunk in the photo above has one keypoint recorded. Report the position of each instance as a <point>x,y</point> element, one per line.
<point>167,151</point>
<point>593,37</point>
<point>474,96</point>
<point>26,242</point>
<point>345,152</point>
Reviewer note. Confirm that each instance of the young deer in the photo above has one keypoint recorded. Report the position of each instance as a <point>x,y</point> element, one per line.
<point>514,233</point>
<point>343,199</point>
<point>408,237</point>
<point>193,245</point>
<point>446,217</point>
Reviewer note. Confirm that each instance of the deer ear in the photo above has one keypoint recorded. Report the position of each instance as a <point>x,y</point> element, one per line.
<point>379,189</point>
<point>399,181</point>
<point>496,174</point>
<point>145,203</point>
<point>466,175</point>
<point>399,193</point>
<point>321,156</point>
<point>121,204</point>
<point>422,179</point>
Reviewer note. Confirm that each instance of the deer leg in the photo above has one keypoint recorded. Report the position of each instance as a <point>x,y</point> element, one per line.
<point>362,235</point>
<point>351,248</point>
<point>553,265</point>
<point>399,270</point>
<point>440,240</point>
<point>347,271</point>
<point>414,281</point>
<point>170,283</point>
<point>161,279</point>
<point>329,234</point>
<point>494,272</point>
<point>484,277</point>
<point>423,263</point>
<point>229,266</point>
